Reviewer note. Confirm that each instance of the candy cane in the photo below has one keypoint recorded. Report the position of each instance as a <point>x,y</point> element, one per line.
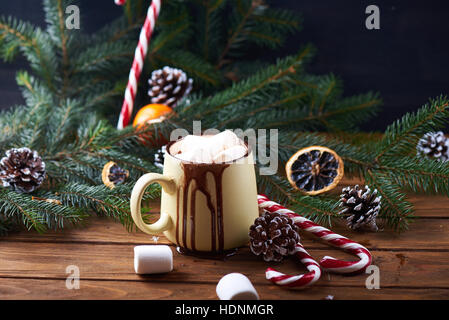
<point>327,263</point>
<point>301,280</point>
<point>137,66</point>
<point>120,2</point>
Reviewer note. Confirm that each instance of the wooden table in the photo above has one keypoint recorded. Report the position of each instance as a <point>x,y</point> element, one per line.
<point>413,265</point>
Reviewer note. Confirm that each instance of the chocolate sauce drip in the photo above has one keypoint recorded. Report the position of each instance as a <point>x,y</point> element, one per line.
<point>177,216</point>
<point>197,173</point>
<point>192,221</point>
<point>184,215</point>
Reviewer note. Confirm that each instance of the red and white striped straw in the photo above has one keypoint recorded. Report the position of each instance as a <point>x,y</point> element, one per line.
<point>120,2</point>
<point>302,280</point>
<point>137,66</point>
<point>327,263</point>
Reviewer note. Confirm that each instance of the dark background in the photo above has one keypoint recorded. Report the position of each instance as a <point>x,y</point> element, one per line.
<point>406,60</point>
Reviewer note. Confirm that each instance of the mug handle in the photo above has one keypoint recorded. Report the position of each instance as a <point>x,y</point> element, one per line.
<point>164,222</point>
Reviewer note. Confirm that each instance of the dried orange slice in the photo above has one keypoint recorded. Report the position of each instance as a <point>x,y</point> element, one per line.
<point>113,175</point>
<point>314,170</point>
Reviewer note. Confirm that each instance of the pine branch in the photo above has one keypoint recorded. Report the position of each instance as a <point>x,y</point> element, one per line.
<point>263,80</point>
<point>54,16</point>
<point>396,210</point>
<point>209,29</point>
<point>253,23</point>
<point>243,11</point>
<point>194,66</point>
<point>103,57</point>
<point>33,43</point>
<point>402,136</point>
<point>36,214</point>
<point>419,175</point>
<point>103,201</point>
<point>344,114</point>
<point>169,38</point>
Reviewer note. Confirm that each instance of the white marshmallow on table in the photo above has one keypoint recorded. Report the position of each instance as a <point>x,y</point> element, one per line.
<point>236,286</point>
<point>153,259</point>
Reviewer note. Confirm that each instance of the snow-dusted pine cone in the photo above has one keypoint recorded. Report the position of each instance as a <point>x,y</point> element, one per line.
<point>273,236</point>
<point>434,145</point>
<point>169,86</point>
<point>22,170</point>
<point>360,207</point>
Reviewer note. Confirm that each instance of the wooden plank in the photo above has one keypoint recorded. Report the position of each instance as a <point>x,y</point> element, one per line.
<point>115,262</point>
<point>430,206</point>
<point>96,230</point>
<point>90,289</point>
<point>432,234</point>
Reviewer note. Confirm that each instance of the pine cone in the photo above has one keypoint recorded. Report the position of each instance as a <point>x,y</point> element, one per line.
<point>22,170</point>
<point>273,236</point>
<point>360,207</point>
<point>169,86</point>
<point>434,145</point>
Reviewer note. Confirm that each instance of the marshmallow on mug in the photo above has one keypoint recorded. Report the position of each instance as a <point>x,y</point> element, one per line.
<point>153,259</point>
<point>223,147</point>
<point>235,286</point>
<point>223,141</point>
<point>230,154</point>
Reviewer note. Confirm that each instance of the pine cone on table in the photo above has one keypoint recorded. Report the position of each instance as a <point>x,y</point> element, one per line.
<point>360,207</point>
<point>169,86</point>
<point>434,145</point>
<point>22,170</point>
<point>273,236</point>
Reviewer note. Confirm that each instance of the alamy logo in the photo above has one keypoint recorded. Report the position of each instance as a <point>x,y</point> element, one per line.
<point>72,282</point>
<point>373,281</point>
<point>372,22</point>
<point>73,19</point>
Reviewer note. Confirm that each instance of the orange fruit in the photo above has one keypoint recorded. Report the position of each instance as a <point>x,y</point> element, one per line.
<point>314,170</point>
<point>149,114</point>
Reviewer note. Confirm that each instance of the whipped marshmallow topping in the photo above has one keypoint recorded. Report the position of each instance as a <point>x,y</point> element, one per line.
<point>223,147</point>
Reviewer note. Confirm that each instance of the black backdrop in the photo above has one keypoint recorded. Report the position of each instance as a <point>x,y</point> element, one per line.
<point>406,60</point>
